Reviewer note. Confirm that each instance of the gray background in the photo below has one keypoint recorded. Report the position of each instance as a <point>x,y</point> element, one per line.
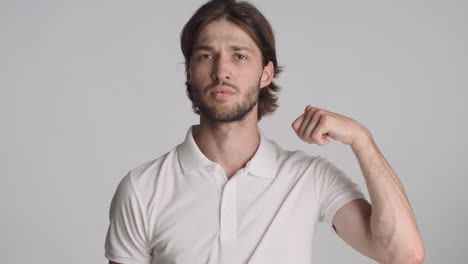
<point>91,89</point>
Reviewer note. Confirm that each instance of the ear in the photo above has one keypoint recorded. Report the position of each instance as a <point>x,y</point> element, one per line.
<point>267,75</point>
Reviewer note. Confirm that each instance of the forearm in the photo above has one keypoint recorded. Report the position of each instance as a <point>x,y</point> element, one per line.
<point>393,225</point>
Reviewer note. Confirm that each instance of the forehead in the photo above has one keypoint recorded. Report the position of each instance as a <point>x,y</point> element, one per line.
<point>223,32</point>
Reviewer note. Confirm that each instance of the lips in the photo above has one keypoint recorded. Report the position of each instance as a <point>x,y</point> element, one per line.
<point>222,89</point>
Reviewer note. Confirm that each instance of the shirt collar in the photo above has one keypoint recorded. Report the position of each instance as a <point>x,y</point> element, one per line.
<point>263,163</point>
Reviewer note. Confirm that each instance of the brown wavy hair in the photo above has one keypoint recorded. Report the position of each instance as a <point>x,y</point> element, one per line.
<point>247,17</point>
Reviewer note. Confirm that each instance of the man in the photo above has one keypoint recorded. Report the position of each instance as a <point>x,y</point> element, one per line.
<point>227,194</point>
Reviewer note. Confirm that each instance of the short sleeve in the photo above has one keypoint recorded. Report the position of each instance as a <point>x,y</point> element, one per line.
<point>126,239</point>
<point>334,189</point>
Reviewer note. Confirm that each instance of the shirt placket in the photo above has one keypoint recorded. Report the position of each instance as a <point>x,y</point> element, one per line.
<point>228,217</point>
<point>228,221</point>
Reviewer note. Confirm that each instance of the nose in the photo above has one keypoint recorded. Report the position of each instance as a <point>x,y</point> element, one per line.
<point>221,69</point>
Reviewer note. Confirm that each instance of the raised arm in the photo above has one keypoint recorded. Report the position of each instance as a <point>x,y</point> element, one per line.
<point>384,230</point>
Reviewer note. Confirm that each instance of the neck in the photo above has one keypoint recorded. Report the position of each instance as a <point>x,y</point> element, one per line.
<point>231,145</point>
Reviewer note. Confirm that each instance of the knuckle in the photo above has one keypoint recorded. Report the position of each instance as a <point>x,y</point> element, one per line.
<point>324,117</point>
<point>316,117</point>
<point>315,137</point>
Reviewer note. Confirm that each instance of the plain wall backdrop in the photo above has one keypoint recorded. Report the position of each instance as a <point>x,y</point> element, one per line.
<point>92,89</point>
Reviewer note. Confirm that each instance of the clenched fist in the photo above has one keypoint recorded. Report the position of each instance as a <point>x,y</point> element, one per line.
<point>315,125</point>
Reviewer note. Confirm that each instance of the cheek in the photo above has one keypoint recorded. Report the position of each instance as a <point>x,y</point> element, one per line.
<point>251,69</point>
<point>199,72</point>
<point>251,76</point>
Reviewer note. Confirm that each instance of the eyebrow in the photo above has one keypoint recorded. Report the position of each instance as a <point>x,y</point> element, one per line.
<point>210,48</point>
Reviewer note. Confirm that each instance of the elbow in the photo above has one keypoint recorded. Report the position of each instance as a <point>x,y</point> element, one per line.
<point>419,260</point>
<point>420,253</point>
<point>419,257</point>
<point>416,256</point>
<point>416,259</point>
<point>411,259</point>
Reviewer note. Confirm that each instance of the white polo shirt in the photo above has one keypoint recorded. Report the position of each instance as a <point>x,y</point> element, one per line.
<point>180,207</point>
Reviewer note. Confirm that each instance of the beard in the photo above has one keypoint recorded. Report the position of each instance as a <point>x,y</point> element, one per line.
<point>225,113</point>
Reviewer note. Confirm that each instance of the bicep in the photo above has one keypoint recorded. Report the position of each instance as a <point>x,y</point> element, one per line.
<point>126,239</point>
<point>352,224</point>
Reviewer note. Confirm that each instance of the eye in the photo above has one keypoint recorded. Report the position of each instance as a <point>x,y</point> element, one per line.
<point>206,56</point>
<point>241,57</point>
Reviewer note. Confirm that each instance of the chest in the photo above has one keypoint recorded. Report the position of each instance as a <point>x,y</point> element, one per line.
<point>211,219</point>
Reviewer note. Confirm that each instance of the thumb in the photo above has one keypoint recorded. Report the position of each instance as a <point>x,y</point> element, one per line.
<point>297,123</point>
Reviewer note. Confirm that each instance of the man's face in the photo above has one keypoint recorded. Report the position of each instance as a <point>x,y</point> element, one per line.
<point>225,58</point>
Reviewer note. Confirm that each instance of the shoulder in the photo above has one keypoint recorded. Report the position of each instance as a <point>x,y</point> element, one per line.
<point>298,160</point>
<point>150,170</point>
<point>297,157</point>
<point>143,179</point>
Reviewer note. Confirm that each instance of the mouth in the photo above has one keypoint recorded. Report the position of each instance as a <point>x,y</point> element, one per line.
<point>222,89</point>
<point>221,95</point>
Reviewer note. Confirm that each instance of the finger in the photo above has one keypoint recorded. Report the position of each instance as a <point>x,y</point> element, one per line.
<point>297,123</point>
<point>320,133</point>
<point>313,123</point>
<point>306,121</point>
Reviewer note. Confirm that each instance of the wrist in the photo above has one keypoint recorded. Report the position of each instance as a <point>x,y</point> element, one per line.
<point>363,141</point>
